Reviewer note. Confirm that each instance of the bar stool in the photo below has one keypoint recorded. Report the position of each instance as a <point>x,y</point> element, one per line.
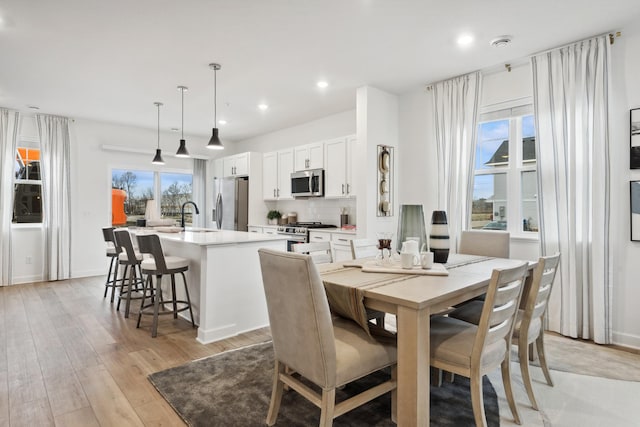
<point>158,266</point>
<point>112,252</point>
<point>129,258</point>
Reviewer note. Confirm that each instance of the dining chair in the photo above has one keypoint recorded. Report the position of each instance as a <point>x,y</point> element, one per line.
<point>327,350</point>
<point>131,286</point>
<point>321,252</point>
<point>364,248</point>
<point>473,350</point>
<point>491,243</point>
<point>112,252</point>
<point>529,322</point>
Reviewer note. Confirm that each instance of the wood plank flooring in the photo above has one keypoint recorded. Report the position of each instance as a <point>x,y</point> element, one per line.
<point>68,358</point>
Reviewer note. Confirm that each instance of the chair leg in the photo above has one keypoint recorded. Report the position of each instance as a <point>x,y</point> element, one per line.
<point>122,285</point>
<point>106,285</point>
<point>130,288</point>
<point>477,399</point>
<point>380,321</point>
<point>147,287</point>
<point>156,306</point>
<point>543,358</point>
<point>186,291</point>
<point>115,280</point>
<point>276,394</point>
<point>173,296</point>
<point>508,389</point>
<point>523,356</point>
<point>327,408</point>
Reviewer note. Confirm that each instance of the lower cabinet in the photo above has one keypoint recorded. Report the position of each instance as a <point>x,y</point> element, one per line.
<point>341,243</point>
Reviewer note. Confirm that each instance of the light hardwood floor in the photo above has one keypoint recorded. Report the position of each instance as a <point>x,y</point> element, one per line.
<point>68,358</point>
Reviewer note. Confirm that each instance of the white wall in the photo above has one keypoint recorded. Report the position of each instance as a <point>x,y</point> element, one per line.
<point>91,191</point>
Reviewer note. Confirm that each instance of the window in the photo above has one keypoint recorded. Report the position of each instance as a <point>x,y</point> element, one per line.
<point>27,195</point>
<point>131,189</point>
<point>505,195</point>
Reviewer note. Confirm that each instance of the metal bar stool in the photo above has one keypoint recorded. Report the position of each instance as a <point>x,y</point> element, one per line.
<point>130,258</point>
<point>158,266</point>
<point>112,252</point>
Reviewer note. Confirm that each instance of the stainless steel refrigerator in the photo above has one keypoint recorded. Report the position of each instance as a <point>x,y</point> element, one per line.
<point>231,196</point>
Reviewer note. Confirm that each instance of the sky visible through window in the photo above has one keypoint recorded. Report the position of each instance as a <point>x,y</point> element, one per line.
<point>490,136</point>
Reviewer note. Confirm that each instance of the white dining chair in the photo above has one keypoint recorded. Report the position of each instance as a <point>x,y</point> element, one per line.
<point>364,248</point>
<point>321,252</point>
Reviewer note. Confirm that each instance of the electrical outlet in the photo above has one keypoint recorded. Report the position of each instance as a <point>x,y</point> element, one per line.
<point>28,260</point>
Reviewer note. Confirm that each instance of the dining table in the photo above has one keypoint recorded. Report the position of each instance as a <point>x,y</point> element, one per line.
<point>413,296</point>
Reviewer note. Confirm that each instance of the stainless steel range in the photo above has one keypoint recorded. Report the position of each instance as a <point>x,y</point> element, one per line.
<point>298,232</point>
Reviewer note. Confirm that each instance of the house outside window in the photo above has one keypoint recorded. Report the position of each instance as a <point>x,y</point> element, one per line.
<point>505,195</point>
<point>131,189</point>
<point>27,195</point>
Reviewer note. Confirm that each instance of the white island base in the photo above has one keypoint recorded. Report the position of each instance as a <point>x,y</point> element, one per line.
<point>224,279</point>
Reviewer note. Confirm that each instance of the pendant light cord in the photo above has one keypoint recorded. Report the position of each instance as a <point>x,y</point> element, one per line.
<point>158,105</point>
<point>182,125</point>
<point>215,100</point>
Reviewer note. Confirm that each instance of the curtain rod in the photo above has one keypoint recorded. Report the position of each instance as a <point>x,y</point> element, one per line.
<point>612,36</point>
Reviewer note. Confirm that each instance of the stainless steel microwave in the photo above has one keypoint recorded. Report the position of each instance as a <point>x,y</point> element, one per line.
<point>309,183</point>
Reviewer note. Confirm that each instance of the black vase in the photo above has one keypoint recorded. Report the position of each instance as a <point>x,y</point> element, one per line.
<point>439,237</point>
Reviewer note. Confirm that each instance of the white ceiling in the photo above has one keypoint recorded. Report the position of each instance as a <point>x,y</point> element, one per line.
<point>110,60</point>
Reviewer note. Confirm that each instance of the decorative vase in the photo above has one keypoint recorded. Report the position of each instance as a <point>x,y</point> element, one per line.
<point>411,225</point>
<point>439,237</point>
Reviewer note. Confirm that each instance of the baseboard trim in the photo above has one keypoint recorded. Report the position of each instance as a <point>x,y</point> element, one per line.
<point>626,340</point>
<point>20,280</point>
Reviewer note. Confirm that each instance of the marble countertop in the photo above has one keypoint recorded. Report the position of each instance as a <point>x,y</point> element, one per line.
<point>209,237</point>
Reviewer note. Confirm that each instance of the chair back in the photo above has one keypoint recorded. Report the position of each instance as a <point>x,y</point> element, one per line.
<point>150,244</point>
<point>485,242</point>
<point>538,297</point>
<point>123,243</point>
<point>109,238</point>
<point>321,252</point>
<point>299,315</point>
<point>500,309</point>
<point>364,248</point>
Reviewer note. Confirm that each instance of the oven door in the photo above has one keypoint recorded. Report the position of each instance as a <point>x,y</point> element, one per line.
<point>293,239</point>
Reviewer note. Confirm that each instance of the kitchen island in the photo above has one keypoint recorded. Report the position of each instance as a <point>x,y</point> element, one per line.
<point>224,278</point>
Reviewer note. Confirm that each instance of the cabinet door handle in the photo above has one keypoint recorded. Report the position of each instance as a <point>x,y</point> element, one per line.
<point>278,191</point>
<point>348,188</point>
<point>342,188</point>
<point>343,240</point>
<point>274,192</point>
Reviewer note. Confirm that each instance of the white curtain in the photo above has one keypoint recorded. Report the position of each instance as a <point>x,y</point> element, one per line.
<point>56,188</point>
<point>200,191</point>
<point>571,110</point>
<point>455,104</point>
<point>8,135</point>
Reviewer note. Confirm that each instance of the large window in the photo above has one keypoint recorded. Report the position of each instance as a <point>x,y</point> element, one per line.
<point>27,195</point>
<point>505,195</point>
<point>131,189</point>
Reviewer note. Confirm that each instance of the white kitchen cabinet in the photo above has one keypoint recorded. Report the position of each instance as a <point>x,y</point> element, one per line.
<point>341,246</point>
<point>338,167</point>
<point>236,165</point>
<point>254,229</point>
<point>309,156</point>
<point>277,167</point>
<point>319,236</point>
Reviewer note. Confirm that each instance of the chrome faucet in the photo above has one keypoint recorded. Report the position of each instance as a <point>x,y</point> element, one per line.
<point>182,211</point>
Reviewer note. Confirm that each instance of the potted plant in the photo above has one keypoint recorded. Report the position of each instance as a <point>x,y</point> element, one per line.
<point>273,216</point>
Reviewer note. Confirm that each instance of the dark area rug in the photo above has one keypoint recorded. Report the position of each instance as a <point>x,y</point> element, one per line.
<point>234,389</point>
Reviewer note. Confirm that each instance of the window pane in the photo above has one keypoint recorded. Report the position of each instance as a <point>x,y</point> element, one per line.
<point>27,203</point>
<point>530,201</point>
<point>129,195</point>
<point>176,190</point>
<point>27,164</point>
<point>489,208</point>
<point>528,140</point>
<point>492,149</point>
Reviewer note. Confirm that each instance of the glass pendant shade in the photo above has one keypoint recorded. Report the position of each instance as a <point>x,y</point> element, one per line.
<point>411,224</point>
<point>214,142</point>
<point>182,149</point>
<point>157,160</point>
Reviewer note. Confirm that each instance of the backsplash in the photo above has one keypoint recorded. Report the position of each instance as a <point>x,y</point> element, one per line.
<point>319,209</point>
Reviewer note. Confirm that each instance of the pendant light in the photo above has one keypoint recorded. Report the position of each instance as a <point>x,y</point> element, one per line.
<point>182,149</point>
<point>214,142</point>
<point>157,160</point>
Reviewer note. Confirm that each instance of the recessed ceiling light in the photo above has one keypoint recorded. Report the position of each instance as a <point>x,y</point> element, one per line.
<point>465,40</point>
<point>500,41</point>
<point>322,84</point>
<point>263,107</point>
<point>222,122</point>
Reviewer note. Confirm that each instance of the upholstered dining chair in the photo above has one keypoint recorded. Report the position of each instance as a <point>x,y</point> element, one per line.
<point>529,322</point>
<point>364,248</point>
<point>321,252</point>
<point>328,351</point>
<point>474,350</point>
<point>484,242</point>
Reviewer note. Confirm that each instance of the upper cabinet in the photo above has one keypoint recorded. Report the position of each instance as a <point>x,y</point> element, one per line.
<point>236,165</point>
<point>277,167</point>
<point>338,167</point>
<point>309,156</point>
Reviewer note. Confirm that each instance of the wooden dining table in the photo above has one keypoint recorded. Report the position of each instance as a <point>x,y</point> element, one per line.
<point>413,299</point>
